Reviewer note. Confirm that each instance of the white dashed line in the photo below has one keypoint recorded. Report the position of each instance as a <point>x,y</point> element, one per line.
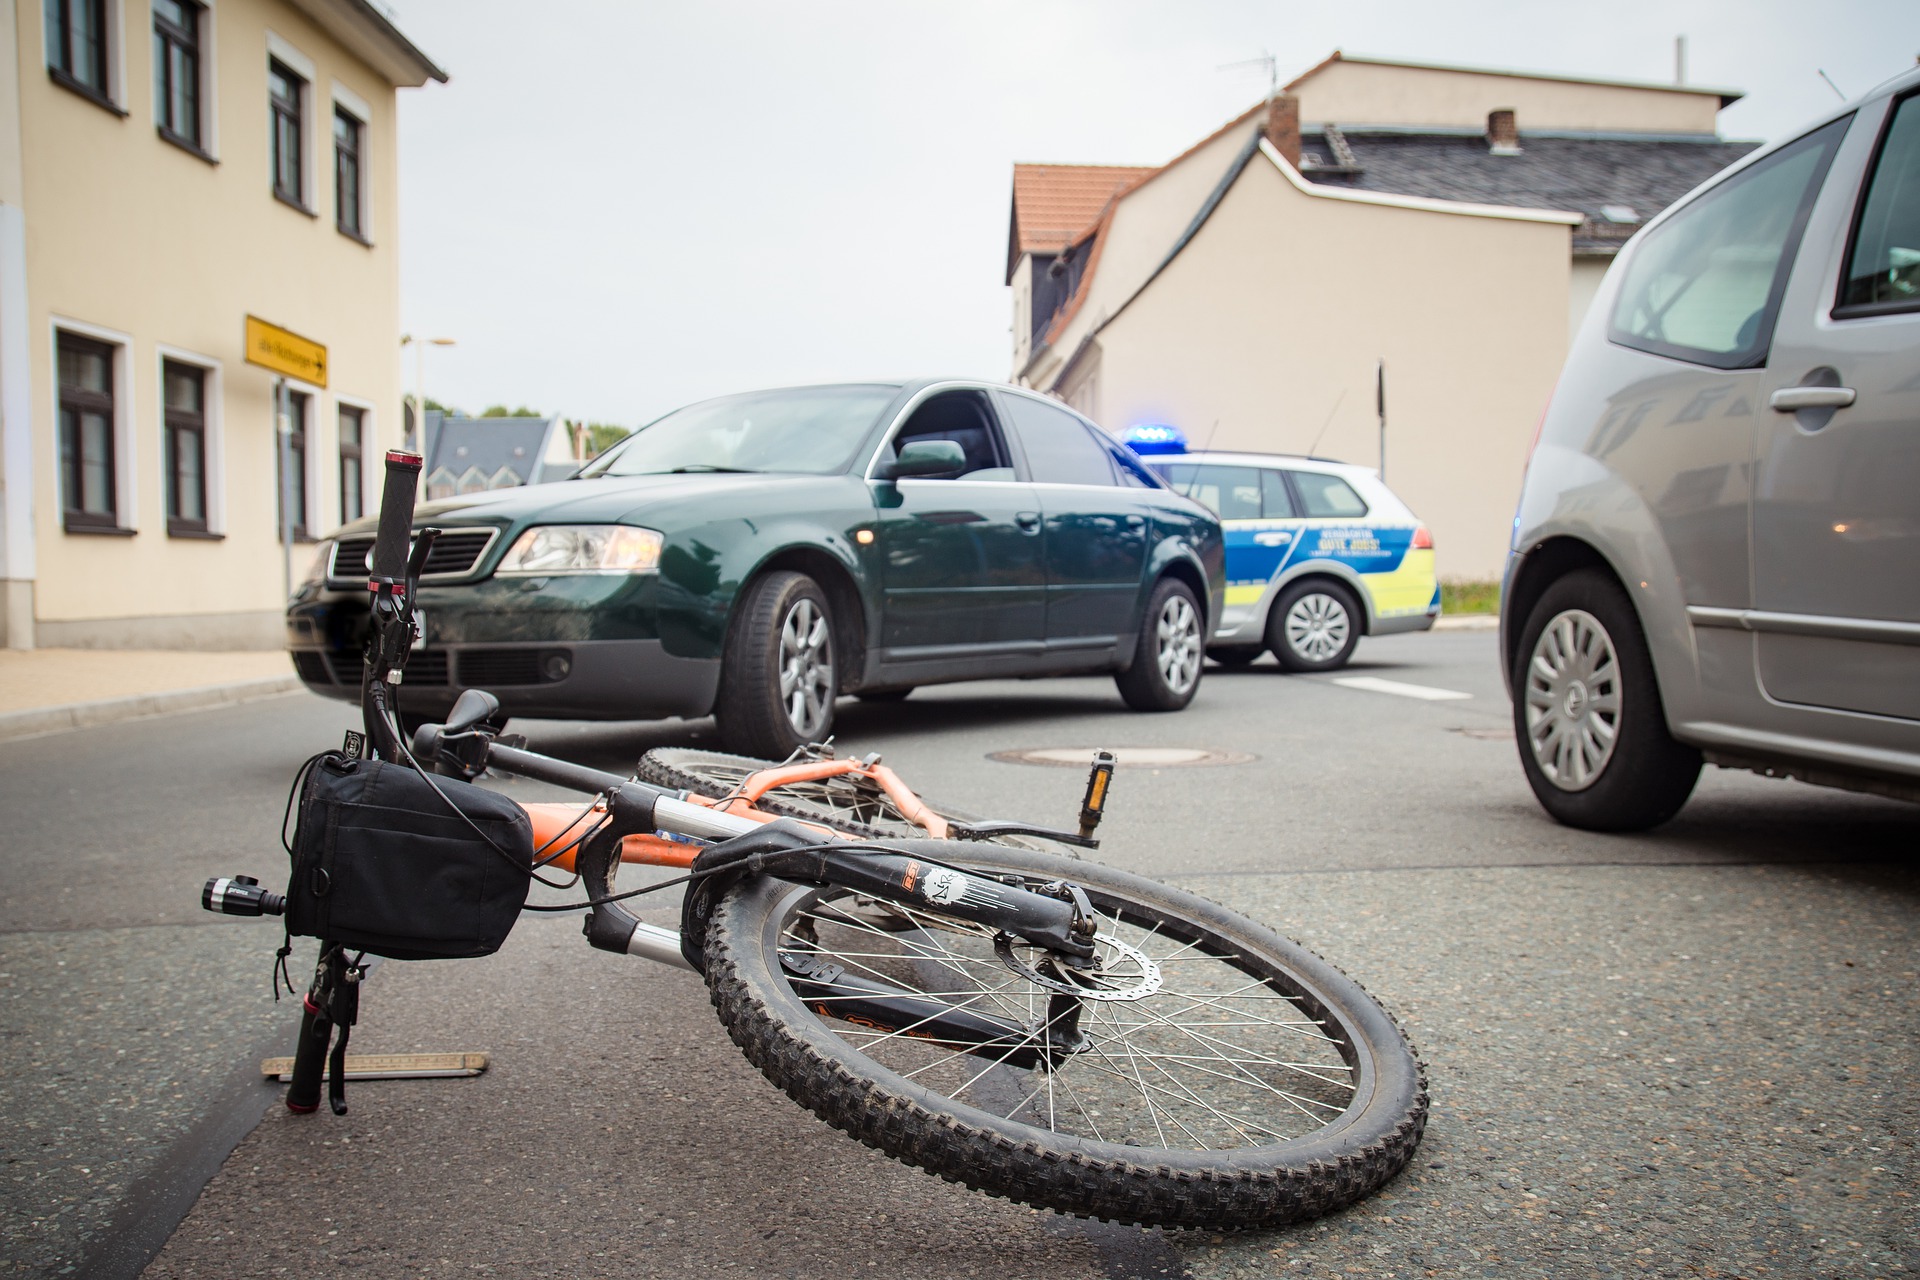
<point>1424,692</point>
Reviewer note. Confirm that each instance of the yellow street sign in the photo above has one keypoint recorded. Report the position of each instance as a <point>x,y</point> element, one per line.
<point>284,351</point>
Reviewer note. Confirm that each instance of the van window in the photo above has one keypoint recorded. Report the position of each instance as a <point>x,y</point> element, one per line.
<point>1326,496</point>
<point>1705,285</point>
<point>1883,270</point>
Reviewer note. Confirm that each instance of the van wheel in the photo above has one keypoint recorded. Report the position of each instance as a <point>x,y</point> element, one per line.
<point>778,680</point>
<point>1587,714</point>
<point>1314,626</point>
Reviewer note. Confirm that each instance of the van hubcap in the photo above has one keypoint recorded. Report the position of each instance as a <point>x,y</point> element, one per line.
<point>806,668</point>
<point>1573,700</point>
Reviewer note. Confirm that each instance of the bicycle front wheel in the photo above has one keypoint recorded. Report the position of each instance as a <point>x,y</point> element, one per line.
<point>847,802</point>
<point>1216,1075</point>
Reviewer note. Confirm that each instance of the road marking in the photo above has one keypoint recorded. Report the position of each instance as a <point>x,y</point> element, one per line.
<point>1424,692</point>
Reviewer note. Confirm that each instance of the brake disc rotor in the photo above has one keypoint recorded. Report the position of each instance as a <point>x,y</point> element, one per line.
<point>1135,979</point>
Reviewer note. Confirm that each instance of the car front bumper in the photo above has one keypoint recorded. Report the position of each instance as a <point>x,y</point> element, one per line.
<point>569,680</point>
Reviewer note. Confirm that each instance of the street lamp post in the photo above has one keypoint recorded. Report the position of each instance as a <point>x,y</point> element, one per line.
<point>420,346</point>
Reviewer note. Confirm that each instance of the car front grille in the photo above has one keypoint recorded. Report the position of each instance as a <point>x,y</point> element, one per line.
<point>454,555</point>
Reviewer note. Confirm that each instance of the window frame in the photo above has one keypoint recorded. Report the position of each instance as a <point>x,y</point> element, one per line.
<point>77,518</point>
<point>198,42</point>
<point>303,428</point>
<point>125,447</point>
<point>1754,356</point>
<point>1842,309</point>
<point>358,231</point>
<point>113,78</point>
<point>362,447</point>
<point>213,441</point>
<point>172,423</point>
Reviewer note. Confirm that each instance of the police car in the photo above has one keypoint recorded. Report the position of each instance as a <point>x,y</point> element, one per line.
<point>1319,553</point>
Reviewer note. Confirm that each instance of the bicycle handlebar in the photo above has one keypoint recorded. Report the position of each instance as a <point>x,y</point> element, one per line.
<point>396,517</point>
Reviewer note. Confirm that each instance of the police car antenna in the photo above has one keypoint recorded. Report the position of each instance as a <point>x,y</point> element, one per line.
<point>1329,422</point>
<point>1210,430</point>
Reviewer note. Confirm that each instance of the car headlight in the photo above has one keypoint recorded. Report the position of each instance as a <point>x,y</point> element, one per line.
<point>583,548</point>
<point>322,561</point>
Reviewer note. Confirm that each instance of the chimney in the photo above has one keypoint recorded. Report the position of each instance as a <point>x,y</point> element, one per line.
<point>1283,126</point>
<point>1503,132</point>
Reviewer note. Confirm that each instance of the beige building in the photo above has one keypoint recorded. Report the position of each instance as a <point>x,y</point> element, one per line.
<point>1451,223</point>
<point>168,169</point>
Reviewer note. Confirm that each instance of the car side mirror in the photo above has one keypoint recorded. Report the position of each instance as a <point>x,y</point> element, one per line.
<point>926,458</point>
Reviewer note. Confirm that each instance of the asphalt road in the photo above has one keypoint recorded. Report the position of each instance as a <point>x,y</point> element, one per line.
<point>1688,1053</point>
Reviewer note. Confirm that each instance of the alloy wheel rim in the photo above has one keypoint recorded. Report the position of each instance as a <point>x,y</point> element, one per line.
<point>1317,626</point>
<point>806,668</point>
<point>1573,700</point>
<point>1177,634</point>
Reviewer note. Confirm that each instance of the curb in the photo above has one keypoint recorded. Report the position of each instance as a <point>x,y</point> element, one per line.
<point>1468,622</point>
<point>37,721</point>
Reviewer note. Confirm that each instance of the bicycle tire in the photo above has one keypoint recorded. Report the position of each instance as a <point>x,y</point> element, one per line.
<point>1091,1151</point>
<point>840,803</point>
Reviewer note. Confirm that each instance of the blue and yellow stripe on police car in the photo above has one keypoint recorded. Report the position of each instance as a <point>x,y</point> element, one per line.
<point>1398,577</point>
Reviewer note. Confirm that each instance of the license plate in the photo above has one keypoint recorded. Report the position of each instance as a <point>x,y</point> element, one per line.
<point>419,629</point>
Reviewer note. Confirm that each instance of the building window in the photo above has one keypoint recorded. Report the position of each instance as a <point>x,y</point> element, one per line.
<point>77,46</point>
<point>184,390</point>
<point>288,92</point>
<point>176,71</point>
<point>88,489</point>
<point>291,471</point>
<point>353,424</point>
<point>348,135</point>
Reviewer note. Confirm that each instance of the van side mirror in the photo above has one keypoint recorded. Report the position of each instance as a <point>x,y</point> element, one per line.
<point>925,458</point>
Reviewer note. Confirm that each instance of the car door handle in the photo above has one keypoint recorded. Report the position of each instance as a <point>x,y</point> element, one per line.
<point>1793,399</point>
<point>1029,521</point>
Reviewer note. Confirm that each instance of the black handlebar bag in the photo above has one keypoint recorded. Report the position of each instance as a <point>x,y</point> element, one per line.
<point>386,862</point>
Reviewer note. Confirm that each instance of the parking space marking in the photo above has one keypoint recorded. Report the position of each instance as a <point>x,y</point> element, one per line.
<point>1424,692</point>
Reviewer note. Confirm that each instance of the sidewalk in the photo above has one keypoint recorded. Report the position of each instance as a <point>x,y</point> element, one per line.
<point>52,690</point>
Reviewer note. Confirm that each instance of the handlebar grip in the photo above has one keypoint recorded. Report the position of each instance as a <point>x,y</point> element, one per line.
<point>396,515</point>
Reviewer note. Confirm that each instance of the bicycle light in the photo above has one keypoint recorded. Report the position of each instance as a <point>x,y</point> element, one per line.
<point>241,896</point>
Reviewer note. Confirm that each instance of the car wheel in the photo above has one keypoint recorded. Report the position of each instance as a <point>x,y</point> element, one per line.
<point>778,680</point>
<point>1237,656</point>
<point>1165,671</point>
<point>884,695</point>
<point>1314,626</point>
<point>1587,713</point>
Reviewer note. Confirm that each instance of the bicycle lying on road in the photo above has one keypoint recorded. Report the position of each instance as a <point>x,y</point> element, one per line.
<point>1033,1025</point>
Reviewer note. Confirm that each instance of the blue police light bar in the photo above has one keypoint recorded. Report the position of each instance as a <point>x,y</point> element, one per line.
<point>1148,438</point>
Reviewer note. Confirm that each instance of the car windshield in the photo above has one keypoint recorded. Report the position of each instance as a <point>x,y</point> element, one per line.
<point>811,430</point>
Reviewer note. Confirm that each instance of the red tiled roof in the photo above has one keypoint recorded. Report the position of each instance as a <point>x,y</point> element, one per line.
<point>1055,204</point>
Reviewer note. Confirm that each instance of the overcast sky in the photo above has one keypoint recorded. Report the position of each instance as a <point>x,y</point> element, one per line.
<point>616,208</point>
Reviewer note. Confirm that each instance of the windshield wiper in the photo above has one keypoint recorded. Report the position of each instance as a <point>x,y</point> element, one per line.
<point>706,466</point>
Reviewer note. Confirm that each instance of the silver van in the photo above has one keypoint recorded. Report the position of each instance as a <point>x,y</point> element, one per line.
<point>1716,555</point>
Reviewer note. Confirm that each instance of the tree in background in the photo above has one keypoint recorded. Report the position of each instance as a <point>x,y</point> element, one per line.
<point>501,411</point>
<point>598,437</point>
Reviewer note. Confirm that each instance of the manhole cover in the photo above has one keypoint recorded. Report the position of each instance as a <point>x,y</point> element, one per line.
<point>1138,757</point>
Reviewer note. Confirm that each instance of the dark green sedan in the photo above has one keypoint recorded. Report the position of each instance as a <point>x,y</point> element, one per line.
<point>757,556</point>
